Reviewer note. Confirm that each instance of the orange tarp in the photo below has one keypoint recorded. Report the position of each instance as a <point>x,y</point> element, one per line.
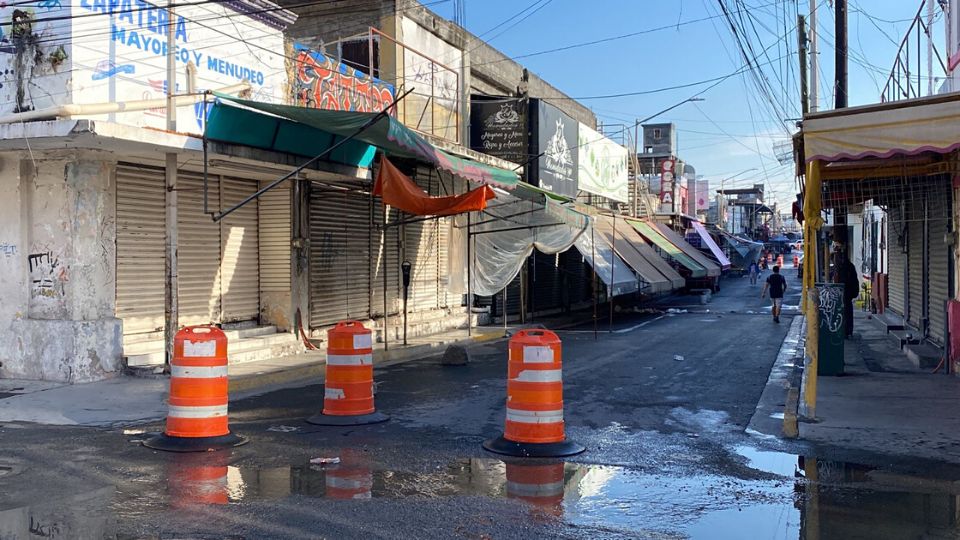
<point>399,191</point>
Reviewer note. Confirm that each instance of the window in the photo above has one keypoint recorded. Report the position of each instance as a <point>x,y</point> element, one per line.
<point>656,134</point>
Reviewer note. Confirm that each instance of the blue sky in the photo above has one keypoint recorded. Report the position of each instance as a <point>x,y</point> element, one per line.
<point>735,128</point>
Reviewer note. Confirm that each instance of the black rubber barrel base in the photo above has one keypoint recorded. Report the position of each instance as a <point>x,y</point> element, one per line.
<point>194,444</point>
<point>538,450</point>
<point>359,420</point>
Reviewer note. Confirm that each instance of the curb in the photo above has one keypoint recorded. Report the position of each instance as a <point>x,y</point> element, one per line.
<point>791,415</point>
<point>767,418</point>
<point>247,383</point>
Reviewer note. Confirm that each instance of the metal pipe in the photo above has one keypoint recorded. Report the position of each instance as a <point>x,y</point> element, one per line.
<point>469,279</point>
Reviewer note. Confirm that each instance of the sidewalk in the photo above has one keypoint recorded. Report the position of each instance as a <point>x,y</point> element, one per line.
<point>884,404</point>
<point>127,400</point>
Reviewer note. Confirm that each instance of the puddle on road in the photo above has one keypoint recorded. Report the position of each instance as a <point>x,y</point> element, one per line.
<point>795,497</point>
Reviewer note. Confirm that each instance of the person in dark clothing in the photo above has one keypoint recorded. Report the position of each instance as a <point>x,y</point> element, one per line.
<point>778,286</point>
<point>847,275</point>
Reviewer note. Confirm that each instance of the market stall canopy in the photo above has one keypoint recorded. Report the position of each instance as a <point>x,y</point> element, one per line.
<point>652,234</point>
<point>399,191</point>
<point>632,249</point>
<point>713,269</point>
<point>747,251</point>
<point>507,231</point>
<point>308,132</point>
<point>907,127</point>
<point>610,268</point>
<point>707,241</point>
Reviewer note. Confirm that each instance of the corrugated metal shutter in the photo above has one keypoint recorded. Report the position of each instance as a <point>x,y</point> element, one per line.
<point>141,235</point>
<point>386,249</point>
<point>915,265</point>
<point>896,261</point>
<point>198,252</point>
<point>340,256</point>
<point>422,246</point>
<point>239,253</point>
<point>513,299</point>
<point>939,269</point>
<point>577,276</point>
<point>274,229</point>
<point>544,280</point>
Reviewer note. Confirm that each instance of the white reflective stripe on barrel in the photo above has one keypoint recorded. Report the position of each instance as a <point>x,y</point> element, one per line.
<point>198,372</point>
<point>540,375</point>
<point>350,359</point>
<point>535,417</point>
<point>535,490</point>
<point>212,411</point>
<point>537,355</point>
<point>363,341</point>
<point>333,393</point>
<point>199,349</point>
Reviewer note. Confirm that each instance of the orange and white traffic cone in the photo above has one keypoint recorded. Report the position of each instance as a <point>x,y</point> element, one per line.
<point>780,261</point>
<point>534,426</point>
<point>796,261</point>
<point>197,415</point>
<point>348,389</point>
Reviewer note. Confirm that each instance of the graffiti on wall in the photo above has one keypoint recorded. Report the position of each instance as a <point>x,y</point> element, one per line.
<point>323,83</point>
<point>47,275</point>
<point>7,249</point>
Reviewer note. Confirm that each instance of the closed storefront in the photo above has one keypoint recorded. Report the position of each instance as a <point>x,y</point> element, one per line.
<point>141,239</point>
<point>218,264</point>
<point>897,260</point>
<point>275,226</point>
<point>916,277</point>
<point>938,272</point>
<point>341,255</point>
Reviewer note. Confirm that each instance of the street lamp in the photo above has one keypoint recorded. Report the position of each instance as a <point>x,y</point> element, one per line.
<point>722,208</point>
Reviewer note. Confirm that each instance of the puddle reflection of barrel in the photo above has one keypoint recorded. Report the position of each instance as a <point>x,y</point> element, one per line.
<point>539,485</point>
<point>198,479</point>
<point>350,479</point>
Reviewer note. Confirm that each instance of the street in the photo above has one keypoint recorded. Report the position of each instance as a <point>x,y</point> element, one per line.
<point>663,406</point>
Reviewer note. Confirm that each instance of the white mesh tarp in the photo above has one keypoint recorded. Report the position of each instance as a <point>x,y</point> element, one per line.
<point>507,232</point>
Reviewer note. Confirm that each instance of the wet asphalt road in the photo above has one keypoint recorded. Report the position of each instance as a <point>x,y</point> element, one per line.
<point>662,405</point>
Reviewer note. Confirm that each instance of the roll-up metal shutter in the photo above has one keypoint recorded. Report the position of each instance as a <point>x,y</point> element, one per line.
<point>141,236</point>
<point>915,265</point>
<point>896,260</point>
<point>422,246</point>
<point>239,252</point>
<point>386,251</point>
<point>198,251</point>
<point>576,278</point>
<point>939,266</point>
<point>274,229</point>
<point>513,299</point>
<point>340,255</point>
<point>544,280</point>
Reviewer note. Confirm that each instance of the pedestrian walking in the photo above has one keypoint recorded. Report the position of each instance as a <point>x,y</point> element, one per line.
<point>778,286</point>
<point>754,271</point>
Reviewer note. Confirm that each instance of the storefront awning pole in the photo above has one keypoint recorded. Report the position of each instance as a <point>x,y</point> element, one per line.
<point>469,279</point>
<point>613,258</point>
<point>593,266</point>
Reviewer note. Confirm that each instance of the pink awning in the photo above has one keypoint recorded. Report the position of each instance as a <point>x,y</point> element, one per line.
<point>714,248</point>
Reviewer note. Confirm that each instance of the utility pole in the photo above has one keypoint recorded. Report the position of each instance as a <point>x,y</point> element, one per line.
<point>930,4</point>
<point>802,38</point>
<point>840,59</point>
<point>171,322</point>
<point>814,60</point>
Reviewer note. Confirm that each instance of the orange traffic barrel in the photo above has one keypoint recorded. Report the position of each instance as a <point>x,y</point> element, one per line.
<point>780,261</point>
<point>534,424</point>
<point>199,478</point>
<point>796,260</point>
<point>348,388</point>
<point>539,485</point>
<point>197,404</point>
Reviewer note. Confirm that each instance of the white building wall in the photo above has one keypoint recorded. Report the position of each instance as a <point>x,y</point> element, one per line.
<point>57,300</point>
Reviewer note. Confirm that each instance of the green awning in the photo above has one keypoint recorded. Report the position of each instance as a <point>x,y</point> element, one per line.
<point>653,235</point>
<point>308,132</point>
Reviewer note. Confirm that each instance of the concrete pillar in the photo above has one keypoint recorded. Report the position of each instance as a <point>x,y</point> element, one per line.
<point>57,320</point>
